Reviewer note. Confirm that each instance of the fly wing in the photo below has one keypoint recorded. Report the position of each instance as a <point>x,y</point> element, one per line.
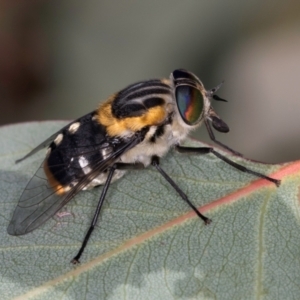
<point>49,140</point>
<point>40,201</point>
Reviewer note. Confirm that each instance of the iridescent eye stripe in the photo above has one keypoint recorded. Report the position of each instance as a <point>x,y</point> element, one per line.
<point>190,103</point>
<point>189,112</point>
<point>194,110</point>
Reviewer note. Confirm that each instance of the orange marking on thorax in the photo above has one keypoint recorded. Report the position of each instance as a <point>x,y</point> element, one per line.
<point>117,127</point>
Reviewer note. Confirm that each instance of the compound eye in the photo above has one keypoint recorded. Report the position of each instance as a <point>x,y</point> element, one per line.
<point>190,104</point>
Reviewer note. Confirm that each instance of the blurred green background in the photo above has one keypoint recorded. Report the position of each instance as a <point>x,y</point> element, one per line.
<point>59,59</point>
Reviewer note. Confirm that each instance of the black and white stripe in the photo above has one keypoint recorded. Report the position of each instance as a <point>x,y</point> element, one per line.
<point>136,99</point>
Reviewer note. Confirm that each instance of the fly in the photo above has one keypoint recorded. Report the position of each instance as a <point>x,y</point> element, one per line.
<point>132,129</point>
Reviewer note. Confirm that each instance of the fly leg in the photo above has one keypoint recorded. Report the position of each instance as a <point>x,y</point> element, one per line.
<point>212,137</point>
<point>205,150</point>
<point>111,170</point>
<point>155,163</point>
<point>75,260</point>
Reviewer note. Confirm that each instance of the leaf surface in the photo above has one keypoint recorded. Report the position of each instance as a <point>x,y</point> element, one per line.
<point>148,243</point>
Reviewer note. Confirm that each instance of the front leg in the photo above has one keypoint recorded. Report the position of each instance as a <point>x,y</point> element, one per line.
<point>206,150</point>
<point>155,163</point>
<point>216,122</point>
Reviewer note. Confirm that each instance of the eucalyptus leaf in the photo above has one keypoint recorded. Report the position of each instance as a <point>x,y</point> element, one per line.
<point>148,243</point>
